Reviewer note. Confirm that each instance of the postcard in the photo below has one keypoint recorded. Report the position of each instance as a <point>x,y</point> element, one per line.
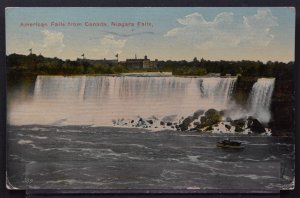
<point>150,98</point>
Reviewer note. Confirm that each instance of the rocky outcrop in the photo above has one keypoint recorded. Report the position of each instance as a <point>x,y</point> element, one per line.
<point>200,121</point>
<point>186,123</point>
<point>210,118</point>
<point>239,125</point>
<point>255,126</point>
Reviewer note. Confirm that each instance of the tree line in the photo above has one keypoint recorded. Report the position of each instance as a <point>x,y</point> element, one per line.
<point>19,66</point>
<point>245,68</point>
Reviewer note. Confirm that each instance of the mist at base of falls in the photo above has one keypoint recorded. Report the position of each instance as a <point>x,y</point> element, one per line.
<point>97,100</point>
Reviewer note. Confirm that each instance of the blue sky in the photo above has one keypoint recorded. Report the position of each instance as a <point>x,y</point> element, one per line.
<point>175,33</point>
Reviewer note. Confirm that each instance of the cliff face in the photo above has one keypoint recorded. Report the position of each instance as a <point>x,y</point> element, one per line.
<point>242,89</point>
<point>283,108</point>
<point>282,105</point>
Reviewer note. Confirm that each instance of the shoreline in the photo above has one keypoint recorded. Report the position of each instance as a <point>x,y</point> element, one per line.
<point>37,128</point>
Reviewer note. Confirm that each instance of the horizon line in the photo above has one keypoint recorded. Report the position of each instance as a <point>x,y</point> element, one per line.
<point>178,60</point>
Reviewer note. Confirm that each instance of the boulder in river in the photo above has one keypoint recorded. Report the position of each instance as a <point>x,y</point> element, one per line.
<point>150,121</point>
<point>210,118</point>
<point>169,123</point>
<point>141,122</point>
<point>238,123</point>
<point>186,122</point>
<point>255,126</point>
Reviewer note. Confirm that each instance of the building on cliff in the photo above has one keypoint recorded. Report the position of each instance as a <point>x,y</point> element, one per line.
<point>141,63</point>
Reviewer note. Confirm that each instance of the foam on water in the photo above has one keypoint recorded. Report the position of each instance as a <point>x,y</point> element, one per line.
<point>24,141</point>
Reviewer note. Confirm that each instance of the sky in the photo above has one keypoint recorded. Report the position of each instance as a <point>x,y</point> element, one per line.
<point>222,33</point>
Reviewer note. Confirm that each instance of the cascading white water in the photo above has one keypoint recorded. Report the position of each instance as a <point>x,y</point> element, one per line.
<point>96,100</point>
<point>260,99</point>
<point>219,91</point>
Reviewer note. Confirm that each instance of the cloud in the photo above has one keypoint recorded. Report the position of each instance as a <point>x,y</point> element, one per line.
<point>53,40</point>
<point>259,27</point>
<point>110,45</point>
<point>51,44</point>
<point>110,42</point>
<point>225,30</point>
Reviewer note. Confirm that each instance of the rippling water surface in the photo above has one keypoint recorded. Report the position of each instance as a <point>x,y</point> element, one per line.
<point>71,157</point>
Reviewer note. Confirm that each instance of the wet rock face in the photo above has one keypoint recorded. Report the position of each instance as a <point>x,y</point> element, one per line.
<point>255,126</point>
<point>186,122</point>
<point>283,109</point>
<point>150,121</point>
<point>243,89</point>
<point>239,124</point>
<point>210,117</point>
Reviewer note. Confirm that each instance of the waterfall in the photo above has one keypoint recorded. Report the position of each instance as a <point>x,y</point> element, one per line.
<point>218,89</point>
<point>85,100</point>
<point>260,99</point>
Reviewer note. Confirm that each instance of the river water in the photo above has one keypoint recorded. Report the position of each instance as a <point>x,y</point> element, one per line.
<point>72,157</point>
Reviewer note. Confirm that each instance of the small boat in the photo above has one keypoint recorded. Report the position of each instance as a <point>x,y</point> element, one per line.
<point>229,144</point>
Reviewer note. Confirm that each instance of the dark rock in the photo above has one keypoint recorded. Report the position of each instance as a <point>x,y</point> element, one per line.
<point>200,130</point>
<point>150,121</point>
<point>196,123</point>
<point>227,126</point>
<point>132,121</point>
<point>243,88</point>
<point>209,128</point>
<point>283,108</point>
<point>172,127</point>
<point>255,126</point>
<point>186,122</point>
<point>162,123</point>
<point>210,118</point>
<point>169,123</point>
<point>238,129</point>
<point>240,123</point>
<point>141,122</point>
